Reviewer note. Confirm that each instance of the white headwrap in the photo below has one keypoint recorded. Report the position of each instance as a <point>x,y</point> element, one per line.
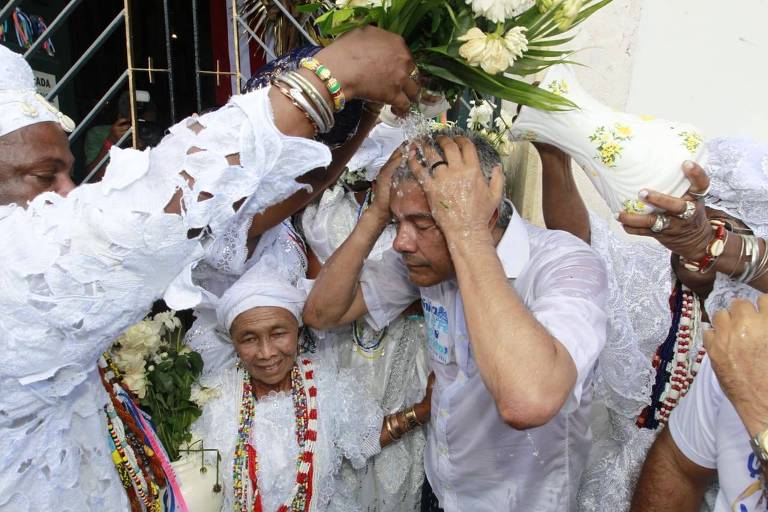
<point>20,104</point>
<point>376,150</point>
<point>276,278</point>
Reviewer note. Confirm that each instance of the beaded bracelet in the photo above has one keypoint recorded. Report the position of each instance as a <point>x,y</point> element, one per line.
<point>324,74</point>
<point>715,249</point>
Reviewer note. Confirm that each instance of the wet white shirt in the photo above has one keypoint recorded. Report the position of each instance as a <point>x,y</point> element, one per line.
<point>474,461</point>
<point>708,430</point>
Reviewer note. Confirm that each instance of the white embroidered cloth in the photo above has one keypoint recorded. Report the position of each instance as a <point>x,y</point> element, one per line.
<point>76,272</point>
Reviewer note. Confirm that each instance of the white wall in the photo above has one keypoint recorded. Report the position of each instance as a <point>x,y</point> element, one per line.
<point>698,61</point>
<point>705,62</point>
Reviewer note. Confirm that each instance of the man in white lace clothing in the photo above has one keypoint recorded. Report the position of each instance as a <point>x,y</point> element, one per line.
<point>76,271</point>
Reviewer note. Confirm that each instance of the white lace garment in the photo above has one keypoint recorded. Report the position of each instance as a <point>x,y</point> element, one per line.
<point>349,426</point>
<point>392,365</point>
<point>640,282</point>
<point>76,272</point>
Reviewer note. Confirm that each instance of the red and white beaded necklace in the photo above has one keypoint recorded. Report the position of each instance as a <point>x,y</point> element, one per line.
<point>245,464</point>
<point>688,354</point>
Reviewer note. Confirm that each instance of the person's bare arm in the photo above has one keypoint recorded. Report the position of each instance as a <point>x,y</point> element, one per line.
<point>336,297</point>
<point>502,331</point>
<point>319,179</point>
<point>562,205</point>
<point>369,63</point>
<point>669,481</point>
<point>690,237</point>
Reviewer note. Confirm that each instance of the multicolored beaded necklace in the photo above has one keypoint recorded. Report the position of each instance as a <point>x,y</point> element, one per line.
<point>677,360</point>
<point>245,464</point>
<point>136,463</point>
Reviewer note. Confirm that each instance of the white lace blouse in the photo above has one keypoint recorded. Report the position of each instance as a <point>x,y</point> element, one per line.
<point>75,272</point>
<point>349,426</point>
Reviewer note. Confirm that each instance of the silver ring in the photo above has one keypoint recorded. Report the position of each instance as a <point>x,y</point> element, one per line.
<point>690,211</point>
<point>660,224</point>
<point>701,195</point>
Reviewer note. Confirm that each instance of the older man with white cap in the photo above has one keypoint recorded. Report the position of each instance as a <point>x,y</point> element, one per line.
<point>76,271</point>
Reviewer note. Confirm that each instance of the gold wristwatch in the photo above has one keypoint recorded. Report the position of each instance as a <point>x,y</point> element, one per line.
<point>760,447</point>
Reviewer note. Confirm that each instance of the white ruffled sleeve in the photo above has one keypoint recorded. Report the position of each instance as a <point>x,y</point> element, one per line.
<point>76,272</point>
<point>357,416</point>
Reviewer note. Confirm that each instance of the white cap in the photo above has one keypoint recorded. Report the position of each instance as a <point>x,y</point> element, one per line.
<point>20,104</point>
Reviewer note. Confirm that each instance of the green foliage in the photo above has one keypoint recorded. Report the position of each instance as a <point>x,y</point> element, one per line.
<point>431,28</point>
<point>169,388</point>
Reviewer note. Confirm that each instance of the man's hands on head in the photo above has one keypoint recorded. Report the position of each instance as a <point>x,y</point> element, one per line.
<point>383,187</point>
<point>373,64</point>
<point>462,201</point>
<point>737,348</point>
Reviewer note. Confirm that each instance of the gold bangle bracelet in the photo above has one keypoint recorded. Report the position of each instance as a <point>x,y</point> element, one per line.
<point>388,423</point>
<point>412,418</point>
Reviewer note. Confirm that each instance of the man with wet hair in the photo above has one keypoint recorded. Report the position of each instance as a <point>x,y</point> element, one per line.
<point>515,321</point>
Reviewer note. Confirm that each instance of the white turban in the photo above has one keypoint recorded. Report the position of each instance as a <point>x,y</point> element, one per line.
<point>20,104</point>
<point>276,277</point>
<point>376,149</point>
<point>258,289</point>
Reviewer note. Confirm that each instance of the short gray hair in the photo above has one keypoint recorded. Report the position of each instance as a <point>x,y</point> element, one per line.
<point>486,153</point>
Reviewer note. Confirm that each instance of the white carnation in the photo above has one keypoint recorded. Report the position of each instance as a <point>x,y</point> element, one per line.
<point>493,53</point>
<point>516,43</point>
<point>480,116</point>
<point>202,396</point>
<point>499,10</point>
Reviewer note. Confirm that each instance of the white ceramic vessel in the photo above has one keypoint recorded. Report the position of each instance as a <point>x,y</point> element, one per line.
<point>197,486</point>
<point>621,153</point>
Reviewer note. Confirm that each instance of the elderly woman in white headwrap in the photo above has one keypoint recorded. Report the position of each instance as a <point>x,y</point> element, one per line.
<point>392,362</point>
<point>282,422</point>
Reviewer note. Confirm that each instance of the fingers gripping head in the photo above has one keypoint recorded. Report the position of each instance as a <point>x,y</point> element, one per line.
<point>488,157</point>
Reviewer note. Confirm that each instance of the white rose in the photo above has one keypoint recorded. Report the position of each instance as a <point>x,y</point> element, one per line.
<point>499,10</point>
<point>137,383</point>
<point>480,116</point>
<point>489,51</point>
<point>129,360</point>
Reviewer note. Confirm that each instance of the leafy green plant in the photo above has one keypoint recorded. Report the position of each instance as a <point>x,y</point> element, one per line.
<point>433,28</point>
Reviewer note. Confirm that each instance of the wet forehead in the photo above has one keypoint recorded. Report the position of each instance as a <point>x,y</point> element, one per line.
<point>407,201</point>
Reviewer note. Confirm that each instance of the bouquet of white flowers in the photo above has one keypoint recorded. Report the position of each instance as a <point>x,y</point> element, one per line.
<point>472,44</point>
<point>157,367</point>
